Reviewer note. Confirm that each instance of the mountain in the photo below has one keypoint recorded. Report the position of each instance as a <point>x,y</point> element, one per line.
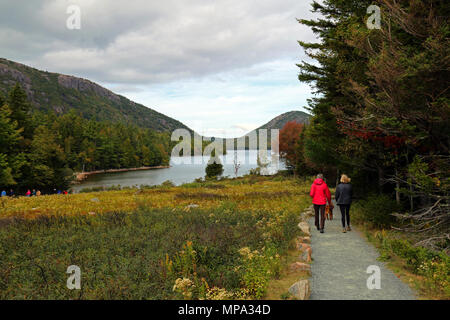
<point>279,121</point>
<point>61,93</point>
<point>276,123</point>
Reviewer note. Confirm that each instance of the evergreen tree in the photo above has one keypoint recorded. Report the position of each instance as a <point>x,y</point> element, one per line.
<point>383,99</point>
<point>214,168</point>
<point>9,138</point>
<point>20,107</point>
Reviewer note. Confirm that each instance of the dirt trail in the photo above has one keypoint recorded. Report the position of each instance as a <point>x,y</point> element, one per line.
<point>340,262</point>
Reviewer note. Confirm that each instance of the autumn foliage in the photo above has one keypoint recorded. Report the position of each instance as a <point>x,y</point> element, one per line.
<point>289,139</point>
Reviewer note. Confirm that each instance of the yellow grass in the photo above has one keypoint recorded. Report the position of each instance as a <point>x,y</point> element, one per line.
<point>262,194</point>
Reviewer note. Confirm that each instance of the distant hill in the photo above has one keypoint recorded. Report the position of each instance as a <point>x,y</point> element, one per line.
<point>282,119</point>
<point>278,123</point>
<point>61,93</point>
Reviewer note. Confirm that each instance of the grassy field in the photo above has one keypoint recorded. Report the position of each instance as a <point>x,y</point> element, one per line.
<point>211,240</point>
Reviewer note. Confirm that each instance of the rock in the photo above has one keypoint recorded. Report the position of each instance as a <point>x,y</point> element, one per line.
<point>304,247</point>
<point>95,200</point>
<point>92,213</point>
<point>301,243</point>
<point>304,226</point>
<point>303,256</point>
<point>300,290</point>
<point>304,239</point>
<point>192,206</point>
<point>300,266</point>
<point>82,85</point>
<point>310,213</point>
<point>306,255</point>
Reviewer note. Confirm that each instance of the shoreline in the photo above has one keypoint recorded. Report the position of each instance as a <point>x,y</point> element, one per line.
<point>81,176</point>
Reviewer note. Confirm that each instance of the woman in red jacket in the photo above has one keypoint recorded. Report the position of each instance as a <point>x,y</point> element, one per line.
<point>320,194</point>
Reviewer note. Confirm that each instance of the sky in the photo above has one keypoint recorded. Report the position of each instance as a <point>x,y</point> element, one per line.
<point>222,67</point>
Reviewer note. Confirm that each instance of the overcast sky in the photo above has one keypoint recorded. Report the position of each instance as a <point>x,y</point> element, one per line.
<point>222,67</point>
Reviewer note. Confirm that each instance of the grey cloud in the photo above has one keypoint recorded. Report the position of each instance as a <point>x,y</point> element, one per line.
<point>139,42</point>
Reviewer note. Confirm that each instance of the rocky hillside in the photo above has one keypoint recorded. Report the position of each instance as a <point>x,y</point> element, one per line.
<point>278,123</point>
<point>282,119</point>
<point>60,93</point>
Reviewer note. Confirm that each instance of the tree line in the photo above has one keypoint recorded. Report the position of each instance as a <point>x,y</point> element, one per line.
<point>42,149</point>
<point>381,106</point>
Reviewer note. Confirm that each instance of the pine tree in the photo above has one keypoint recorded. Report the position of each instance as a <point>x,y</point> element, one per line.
<point>214,168</point>
<point>20,107</point>
<point>9,139</point>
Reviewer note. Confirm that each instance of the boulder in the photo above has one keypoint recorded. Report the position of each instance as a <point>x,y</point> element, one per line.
<point>306,255</point>
<point>303,246</point>
<point>300,290</point>
<point>308,213</point>
<point>304,226</point>
<point>95,200</point>
<point>304,239</point>
<point>300,266</point>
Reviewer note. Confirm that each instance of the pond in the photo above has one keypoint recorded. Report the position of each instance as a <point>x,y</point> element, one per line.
<point>182,170</point>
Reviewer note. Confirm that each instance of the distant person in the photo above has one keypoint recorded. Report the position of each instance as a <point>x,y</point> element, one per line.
<point>28,194</point>
<point>54,191</point>
<point>3,193</point>
<point>344,194</point>
<point>38,193</point>
<point>320,194</point>
<point>65,192</point>
<point>59,192</point>
<point>33,193</point>
<point>11,193</point>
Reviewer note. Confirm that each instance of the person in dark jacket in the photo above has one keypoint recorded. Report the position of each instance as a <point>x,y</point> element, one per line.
<point>343,195</point>
<point>320,194</point>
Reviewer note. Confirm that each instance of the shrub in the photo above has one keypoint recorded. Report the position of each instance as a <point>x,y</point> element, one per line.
<point>214,169</point>
<point>167,184</point>
<point>375,210</point>
<point>433,266</point>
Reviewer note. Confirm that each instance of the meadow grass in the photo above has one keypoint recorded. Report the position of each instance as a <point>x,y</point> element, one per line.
<point>151,243</point>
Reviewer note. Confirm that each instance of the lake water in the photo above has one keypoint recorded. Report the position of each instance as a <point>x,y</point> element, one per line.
<point>182,170</point>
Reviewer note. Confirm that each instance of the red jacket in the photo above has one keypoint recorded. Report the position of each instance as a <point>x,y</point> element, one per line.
<point>320,192</point>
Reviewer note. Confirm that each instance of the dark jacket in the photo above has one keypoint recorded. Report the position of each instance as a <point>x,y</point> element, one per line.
<point>344,193</point>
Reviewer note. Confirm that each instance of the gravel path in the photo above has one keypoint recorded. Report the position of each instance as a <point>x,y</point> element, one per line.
<point>340,261</point>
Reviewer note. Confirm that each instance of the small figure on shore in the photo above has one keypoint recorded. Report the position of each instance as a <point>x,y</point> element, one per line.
<point>65,192</point>
<point>28,194</point>
<point>3,193</point>
<point>33,194</point>
<point>343,195</point>
<point>11,193</point>
<point>59,192</point>
<point>320,194</point>
<point>38,193</point>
